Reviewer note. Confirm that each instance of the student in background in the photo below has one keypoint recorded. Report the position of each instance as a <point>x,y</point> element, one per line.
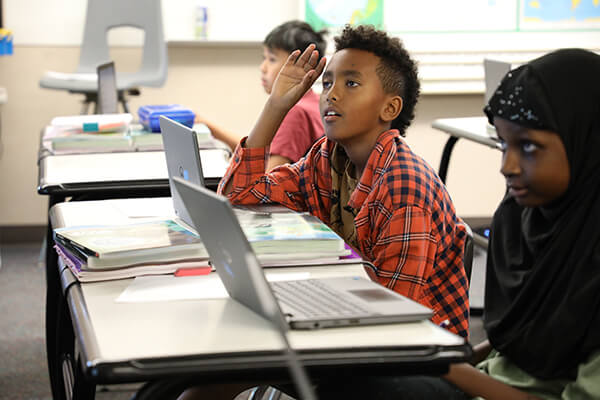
<point>542,304</point>
<point>362,179</point>
<point>302,125</point>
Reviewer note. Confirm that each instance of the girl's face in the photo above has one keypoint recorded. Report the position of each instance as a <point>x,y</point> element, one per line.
<point>534,163</point>
<point>273,60</point>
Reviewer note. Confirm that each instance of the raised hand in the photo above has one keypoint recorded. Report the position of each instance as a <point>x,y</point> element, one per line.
<point>296,76</point>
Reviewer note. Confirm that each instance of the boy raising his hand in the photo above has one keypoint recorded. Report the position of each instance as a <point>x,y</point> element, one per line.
<point>362,179</point>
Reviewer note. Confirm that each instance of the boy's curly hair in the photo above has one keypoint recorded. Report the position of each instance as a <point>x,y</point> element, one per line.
<point>397,71</point>
<point>293,35</point>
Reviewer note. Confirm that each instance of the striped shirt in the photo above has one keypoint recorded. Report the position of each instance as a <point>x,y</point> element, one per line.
<point>405,221</point>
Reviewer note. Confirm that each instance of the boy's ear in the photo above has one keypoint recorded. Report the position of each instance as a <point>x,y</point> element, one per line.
<point>392,109</point>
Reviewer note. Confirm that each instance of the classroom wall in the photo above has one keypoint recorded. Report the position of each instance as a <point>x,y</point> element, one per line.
<point>221,83</point>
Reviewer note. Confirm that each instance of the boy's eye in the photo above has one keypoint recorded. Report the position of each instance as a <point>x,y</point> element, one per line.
<point>326,84</point>
<point>351,83</point>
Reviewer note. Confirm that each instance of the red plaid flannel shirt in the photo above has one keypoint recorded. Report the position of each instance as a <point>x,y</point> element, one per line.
<point>406,224</point>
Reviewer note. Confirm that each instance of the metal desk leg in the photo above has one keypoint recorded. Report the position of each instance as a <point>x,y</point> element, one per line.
<point>55,310</point>
<point>443,171</point>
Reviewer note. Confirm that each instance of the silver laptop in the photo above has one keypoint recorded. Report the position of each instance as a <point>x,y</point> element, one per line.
<point>108,98</point>
<point>183,160</point>
<point>494,71</point>
<point>306,304</point>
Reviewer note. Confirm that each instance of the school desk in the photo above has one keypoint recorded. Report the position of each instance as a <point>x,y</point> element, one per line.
<point>217,340</point>
<point>475,129</point>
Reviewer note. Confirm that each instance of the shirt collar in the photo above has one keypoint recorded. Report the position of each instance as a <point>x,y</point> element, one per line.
<point>381,157</point>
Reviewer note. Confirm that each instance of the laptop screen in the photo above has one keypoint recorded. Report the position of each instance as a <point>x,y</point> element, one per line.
<point>107,89</point>
<point>494,71</point>
<point>183,160</point>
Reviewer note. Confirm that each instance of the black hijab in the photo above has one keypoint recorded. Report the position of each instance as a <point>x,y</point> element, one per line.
<point>542,300</point>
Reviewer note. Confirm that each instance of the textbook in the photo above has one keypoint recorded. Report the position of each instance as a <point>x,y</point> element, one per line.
<point>116,246</point>
<point>178,267</point>
<point>290,235</point>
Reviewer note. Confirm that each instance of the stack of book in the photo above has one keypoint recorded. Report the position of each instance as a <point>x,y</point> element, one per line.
<point>107,133</point>
<point>280,238</point>
<point>287,238</point>
<point>96,253</point>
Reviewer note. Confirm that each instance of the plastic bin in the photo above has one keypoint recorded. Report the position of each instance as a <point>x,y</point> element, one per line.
<point>149,115</point>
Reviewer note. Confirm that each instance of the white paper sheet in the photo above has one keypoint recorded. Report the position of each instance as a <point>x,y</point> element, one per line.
<point>170,288</point>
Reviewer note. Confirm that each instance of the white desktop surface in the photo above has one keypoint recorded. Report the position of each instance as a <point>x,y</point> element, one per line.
<point>471,128</point>
<point>57,170</point>
<point>208,331</point>
<point>223,327</point>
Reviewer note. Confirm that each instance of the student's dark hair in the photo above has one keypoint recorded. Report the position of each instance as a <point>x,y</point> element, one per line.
<point>397,70</point>
<point>296,35</point>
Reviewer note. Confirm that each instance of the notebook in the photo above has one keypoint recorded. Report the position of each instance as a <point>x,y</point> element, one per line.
<point>306,304</point>
<point>107,101</point>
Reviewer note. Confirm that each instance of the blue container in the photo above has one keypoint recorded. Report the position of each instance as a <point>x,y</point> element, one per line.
<point>149,115</point>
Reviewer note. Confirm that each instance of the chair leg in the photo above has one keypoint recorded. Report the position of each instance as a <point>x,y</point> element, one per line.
<point>123,100</point>
<point>85,105</point>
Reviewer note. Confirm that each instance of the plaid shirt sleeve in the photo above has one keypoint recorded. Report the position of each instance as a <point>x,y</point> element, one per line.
<point>290,185</point>
<point>406,259</point>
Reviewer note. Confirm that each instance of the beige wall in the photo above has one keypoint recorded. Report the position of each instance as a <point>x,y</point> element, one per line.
<point>220,83</point>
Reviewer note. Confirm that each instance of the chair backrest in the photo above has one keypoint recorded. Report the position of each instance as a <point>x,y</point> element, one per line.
<point>468,256</point>
<point>103,15</point>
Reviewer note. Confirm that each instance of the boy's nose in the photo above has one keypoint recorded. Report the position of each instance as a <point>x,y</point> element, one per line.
<point>332,94</point>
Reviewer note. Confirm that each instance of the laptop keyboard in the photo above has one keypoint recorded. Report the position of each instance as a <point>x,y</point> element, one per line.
<point>312,298</point>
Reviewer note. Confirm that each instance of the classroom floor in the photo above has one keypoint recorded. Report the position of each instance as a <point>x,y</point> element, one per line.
<point>23,370</point>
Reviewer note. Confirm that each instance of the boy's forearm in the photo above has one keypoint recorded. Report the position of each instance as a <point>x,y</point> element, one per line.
<point>475,383</point>
<point>229,138</point>
<point>266,126</point>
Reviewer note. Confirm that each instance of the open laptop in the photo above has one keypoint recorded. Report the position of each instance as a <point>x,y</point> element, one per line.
<point>183,160</point>
<point>494,71</point>
<point>108,101</point>
<point>306,304</point>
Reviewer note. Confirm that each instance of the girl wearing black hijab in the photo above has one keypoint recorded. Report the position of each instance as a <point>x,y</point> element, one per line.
<point>542,299</point>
